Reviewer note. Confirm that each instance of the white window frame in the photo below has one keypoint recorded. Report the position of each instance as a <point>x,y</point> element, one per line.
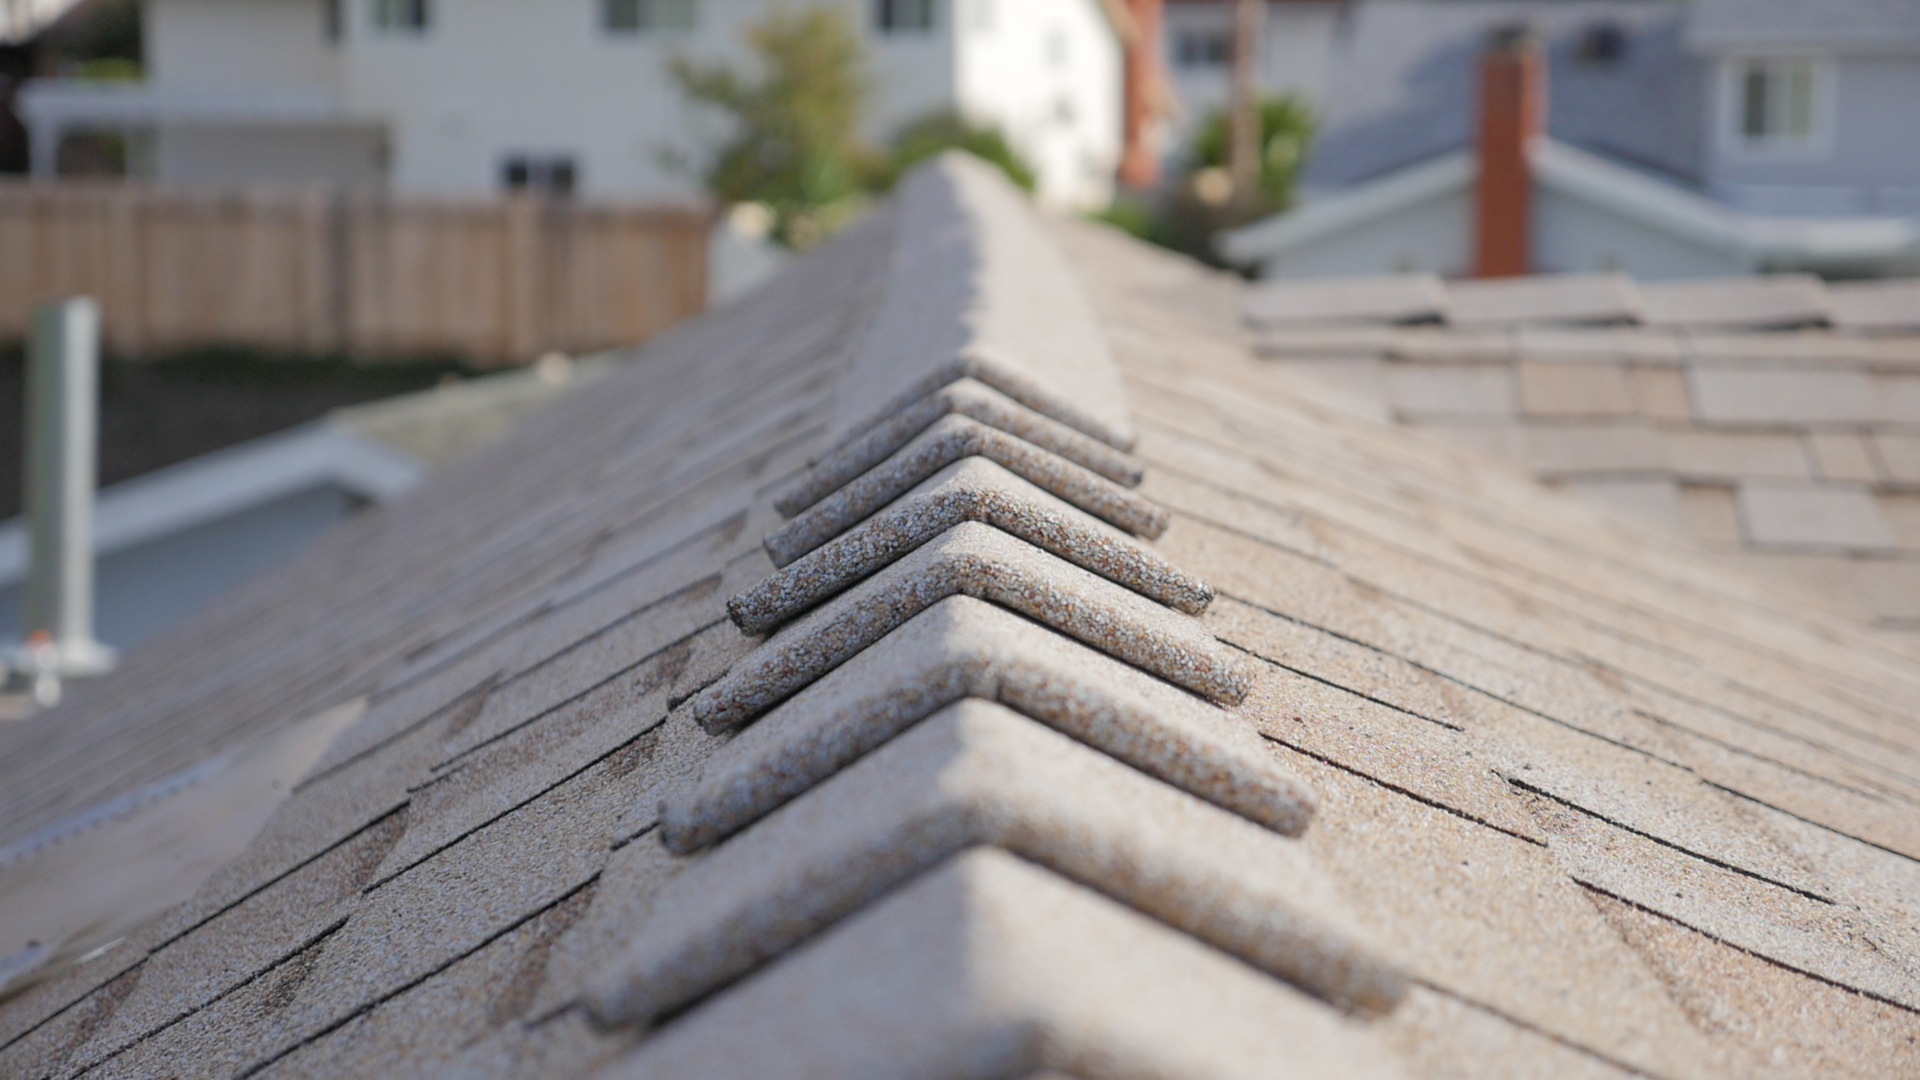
<point>1731,122</point>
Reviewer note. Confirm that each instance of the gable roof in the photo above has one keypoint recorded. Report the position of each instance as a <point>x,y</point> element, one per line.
<point>1852,25</point>
<point>1448,775</point>
<point>1752,240</point>
<point>1404,72</point>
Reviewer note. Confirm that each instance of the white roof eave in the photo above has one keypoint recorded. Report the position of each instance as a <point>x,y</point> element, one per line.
<point>226,482</point>
<point>1679,212</point>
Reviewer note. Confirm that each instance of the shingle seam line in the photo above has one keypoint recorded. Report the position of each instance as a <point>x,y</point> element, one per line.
<point>1463,684</point>
<point>1322,680</point>
<point>1404,792</point>
<point>1762,957</point>
<point>1545,1033</point>
<point>373,886</point>
<point>520,725</point>
<point>1528,709</point>
<point>1709,630</point>
<point>1669,844</point>
<point>1821,825</point>
<point>322,935</point>
<point>368,1006</point>
<point>1880,796</point>
<point>1712,631</point>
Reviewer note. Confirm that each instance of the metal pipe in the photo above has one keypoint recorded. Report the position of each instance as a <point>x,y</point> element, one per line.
<point>63,400</point>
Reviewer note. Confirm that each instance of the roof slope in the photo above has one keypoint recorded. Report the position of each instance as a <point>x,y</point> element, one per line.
<point>1404,79</point>
<point>1853,25</point>
<point>1447,776</point>
<point>1767,417</point>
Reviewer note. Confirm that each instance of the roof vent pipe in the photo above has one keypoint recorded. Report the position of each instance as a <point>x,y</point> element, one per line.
<point>1513,112</point>
<point>63,395</point>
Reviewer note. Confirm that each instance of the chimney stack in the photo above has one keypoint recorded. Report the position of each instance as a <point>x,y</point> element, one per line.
<point>1140,152</point>
<point>1513,111</point>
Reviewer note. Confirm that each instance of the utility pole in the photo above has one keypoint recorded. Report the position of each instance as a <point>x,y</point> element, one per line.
<point>1243,134</point>
<point>63,404</point>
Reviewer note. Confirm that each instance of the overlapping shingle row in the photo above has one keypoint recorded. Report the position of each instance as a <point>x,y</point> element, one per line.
<point>980,693</point>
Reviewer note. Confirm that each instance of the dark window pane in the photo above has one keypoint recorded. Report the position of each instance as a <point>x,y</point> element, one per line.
<point>1753,119</point>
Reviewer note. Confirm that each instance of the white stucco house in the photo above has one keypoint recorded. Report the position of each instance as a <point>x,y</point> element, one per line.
<point>473,96</point>
<point>1677,138</point>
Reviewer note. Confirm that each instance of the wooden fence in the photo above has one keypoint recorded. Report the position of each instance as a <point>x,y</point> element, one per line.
<point>495,281</point>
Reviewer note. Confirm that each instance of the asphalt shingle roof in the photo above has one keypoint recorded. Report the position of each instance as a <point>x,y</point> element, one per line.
<point>1420,770</point>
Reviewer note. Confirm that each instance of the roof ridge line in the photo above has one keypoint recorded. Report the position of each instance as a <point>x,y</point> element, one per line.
<point>947,440</point>
<point>971,489</point>
<point>969,397</point>
<point>971,646</point>
<point>962,647</point>
<point>976,774</point>
<point>976,289</point>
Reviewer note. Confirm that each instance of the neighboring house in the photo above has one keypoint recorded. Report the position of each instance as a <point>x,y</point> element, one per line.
<point>471,97</point>
<point>1811,104</point>
<point>1629,157</point>
<point>1772,419</point>
<point>1138,718</point>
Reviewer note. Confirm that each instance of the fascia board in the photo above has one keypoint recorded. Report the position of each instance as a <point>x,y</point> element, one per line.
<point>1593,179</point>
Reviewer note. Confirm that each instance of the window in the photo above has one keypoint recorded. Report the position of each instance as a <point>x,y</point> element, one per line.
<point>1203,48</point>
<point>552,175</point>
<point>1601,43</point>
<point>1775,102</point>
<point>636,16</point>
<point>400,16</point>
<point>903,16</point>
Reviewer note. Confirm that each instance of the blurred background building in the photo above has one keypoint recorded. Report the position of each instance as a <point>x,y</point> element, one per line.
<point>442,96</point>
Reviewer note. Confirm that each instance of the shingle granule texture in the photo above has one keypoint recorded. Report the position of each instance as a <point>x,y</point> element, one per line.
<point>971,489</point>
<point>966,397</point>
<point>1372,759</point>
<point>975,773</point>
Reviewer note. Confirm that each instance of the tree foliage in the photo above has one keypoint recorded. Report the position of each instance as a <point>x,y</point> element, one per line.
<point>941,131</point>
<point>795,146</point>
<point>1286,134</point>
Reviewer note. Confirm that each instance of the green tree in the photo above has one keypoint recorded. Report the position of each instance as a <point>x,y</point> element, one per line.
<point>1286,134</point>
<point>795,146</point>
<point>948,130</point>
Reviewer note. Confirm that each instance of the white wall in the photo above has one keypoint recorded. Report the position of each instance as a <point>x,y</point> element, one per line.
<point>1050,73</point>
<point>238,42</point>
<point>493,78</point>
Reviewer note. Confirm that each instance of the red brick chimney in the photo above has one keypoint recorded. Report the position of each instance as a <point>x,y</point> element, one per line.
<point>1140,153</point>
<point>1513,110</point>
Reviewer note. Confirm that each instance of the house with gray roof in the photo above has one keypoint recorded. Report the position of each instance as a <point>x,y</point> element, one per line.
<point>963,657</point>
<point>1675,140</point>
